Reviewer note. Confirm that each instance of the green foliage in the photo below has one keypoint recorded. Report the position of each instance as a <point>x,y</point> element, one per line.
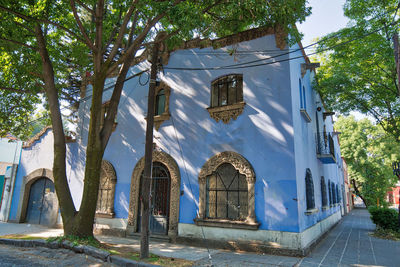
<point>386,234</point>
<point>22,84</point>
<point>369,153</point>
<point>359,70</point>
<point>385,218</point>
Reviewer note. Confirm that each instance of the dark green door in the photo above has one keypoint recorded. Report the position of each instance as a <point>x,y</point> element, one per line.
<point>43,204</point>
<point>159,205</point>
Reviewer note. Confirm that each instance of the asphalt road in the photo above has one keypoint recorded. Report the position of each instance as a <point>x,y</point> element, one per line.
<point>11,256</point>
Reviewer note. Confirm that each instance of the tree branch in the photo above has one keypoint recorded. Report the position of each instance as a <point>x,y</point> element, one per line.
<point>46,21</point>
<point>19,43</point>
<point>88,42</point>
<point>121,32</point>
<point>91,11</point>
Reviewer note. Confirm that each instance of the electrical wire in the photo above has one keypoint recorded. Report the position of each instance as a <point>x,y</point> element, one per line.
<point>244,64</point>
<point>190,186</point>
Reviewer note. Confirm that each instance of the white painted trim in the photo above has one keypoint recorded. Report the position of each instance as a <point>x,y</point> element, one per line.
<point>108,223</point>
<point>275,239</point>
<point>314,232</point>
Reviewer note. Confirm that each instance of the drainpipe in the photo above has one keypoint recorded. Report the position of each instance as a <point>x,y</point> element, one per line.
<point>9,184</point>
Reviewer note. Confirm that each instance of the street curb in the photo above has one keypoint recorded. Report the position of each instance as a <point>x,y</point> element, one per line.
<point>88,250</point>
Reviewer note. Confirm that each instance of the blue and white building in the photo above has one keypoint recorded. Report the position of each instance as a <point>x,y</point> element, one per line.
<point>244,149</point>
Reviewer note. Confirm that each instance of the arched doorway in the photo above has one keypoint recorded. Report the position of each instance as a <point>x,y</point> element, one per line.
<point>165,165</point>
<point>159,202</point>
<point>25,194</point>
<point>42,204</point>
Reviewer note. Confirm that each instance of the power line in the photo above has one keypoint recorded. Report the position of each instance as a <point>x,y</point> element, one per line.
<point>245,64</point>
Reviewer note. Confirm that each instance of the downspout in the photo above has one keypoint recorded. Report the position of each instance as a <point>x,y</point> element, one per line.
<point>10,188</point>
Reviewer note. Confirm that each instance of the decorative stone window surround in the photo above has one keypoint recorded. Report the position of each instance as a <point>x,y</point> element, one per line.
<point>108,180</point>
<point>159,119</point>
<point>244,167</point>
<point>228,111</point>
<point>172,166</point>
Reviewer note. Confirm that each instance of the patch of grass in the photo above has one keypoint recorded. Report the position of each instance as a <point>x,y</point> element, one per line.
<point>75,240</point>
<point>386,234</point>
<point>114,252</point>
<point>129,252</point>
<point>21,237</point>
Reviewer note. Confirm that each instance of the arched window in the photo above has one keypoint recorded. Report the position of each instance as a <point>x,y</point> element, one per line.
<point>337,194</point>
<point>161,105</point>
<point>160,102</point>
<point>105,199</point>
<point>309,190</point>
<point>227,90</point>
<point>226,194</point>
<point>301,95</point>
<point>333,193</point>
<point>323,192</point>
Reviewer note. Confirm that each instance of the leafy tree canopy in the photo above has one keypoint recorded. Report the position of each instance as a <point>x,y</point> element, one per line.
<point>369,153</point>
<point>358,70</point>
<point>53,44</point>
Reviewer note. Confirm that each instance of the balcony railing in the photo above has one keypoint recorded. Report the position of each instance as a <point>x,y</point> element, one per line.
<point>325,148</point>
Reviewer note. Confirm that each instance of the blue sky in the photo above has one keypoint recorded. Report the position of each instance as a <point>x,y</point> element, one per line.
<point>327,16</point>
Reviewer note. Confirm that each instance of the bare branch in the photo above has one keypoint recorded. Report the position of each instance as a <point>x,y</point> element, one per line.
<point>88,42</point>
<point>122,31</point>
<point>19,43</point>
<point>91,11</point>
<point>98,59</point>
<point>133,28</point>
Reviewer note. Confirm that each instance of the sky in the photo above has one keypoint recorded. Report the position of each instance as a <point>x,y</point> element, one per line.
<point>327,16</point>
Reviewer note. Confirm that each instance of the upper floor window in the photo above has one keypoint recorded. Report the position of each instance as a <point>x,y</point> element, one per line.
<point>161,105</point>
<point>160,102</point>
<point>309,190</point>
<point>302,95</point>
<point>226,98</point>
<point>227,90</point>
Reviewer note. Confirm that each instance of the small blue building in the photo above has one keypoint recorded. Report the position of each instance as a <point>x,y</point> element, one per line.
<point>245,153</point>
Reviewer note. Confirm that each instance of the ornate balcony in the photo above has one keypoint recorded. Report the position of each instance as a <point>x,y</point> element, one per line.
<point>325,148</point>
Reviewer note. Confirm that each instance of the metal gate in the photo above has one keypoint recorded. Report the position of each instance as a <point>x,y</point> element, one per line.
<point>159,205</point>
<point>43,203</point>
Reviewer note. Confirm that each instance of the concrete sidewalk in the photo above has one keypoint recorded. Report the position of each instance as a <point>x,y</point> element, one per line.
<point>199,255</point>
<point>348,244</point>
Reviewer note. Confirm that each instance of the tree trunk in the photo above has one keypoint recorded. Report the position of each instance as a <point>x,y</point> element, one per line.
<point>358,192</point>
<point>148,158</point>
<point>59,170</point>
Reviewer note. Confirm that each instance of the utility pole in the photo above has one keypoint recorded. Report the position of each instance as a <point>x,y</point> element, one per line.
<point>397,59</point>
<point>148,156</point>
